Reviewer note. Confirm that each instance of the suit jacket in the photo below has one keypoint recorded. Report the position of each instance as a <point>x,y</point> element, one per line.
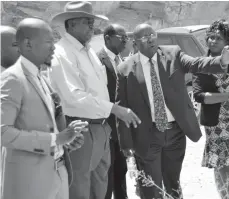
<point>132,93</point>
<point>26,124</point>
<point>111,77</point>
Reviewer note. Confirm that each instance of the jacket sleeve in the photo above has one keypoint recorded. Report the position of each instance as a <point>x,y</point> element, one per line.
<point>203,83</point>
<point>124,133</point>
<point>200,64</point>
<point>11,102</point>
<point>199,87</point>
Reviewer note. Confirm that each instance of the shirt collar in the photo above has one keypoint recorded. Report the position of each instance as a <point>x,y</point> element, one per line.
<point>29,66</point>
<point>110,54</point>
<point>75,42</point>
<point>145,59</point>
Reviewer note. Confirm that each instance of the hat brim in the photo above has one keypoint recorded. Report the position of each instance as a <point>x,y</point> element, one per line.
<point>62,17</point>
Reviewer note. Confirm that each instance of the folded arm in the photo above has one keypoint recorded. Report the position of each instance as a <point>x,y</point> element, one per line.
<point>205,91</point>
<point>11,102</point>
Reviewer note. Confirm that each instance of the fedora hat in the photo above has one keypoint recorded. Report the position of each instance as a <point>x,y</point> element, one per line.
<point>76,9</point>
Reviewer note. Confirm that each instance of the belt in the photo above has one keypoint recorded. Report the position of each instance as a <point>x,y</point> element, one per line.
<point>170,125</point>
<point>90,121</point>
<point>59,162</point>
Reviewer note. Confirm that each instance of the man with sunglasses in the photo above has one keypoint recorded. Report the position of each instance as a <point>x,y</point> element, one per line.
<point>81,81</point>
<point>115,38</point>
<point>9,49</point>
<point>152,83</point>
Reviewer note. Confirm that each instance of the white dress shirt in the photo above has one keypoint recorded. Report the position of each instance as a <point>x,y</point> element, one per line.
<point>45,90</point>
<point>80,79</point>
<point>112,56</point>
<point>146,70</point>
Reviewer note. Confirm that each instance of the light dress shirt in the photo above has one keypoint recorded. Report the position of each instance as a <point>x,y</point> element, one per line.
<point>45,90</point>
<point>80,79</point>
<point>146,70</point>
<point>112,56</point>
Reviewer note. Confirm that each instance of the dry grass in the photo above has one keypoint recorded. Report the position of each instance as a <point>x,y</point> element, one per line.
<point>147,181</point>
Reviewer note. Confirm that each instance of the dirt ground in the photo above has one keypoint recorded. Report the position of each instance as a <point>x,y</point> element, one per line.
<point>197,182</point>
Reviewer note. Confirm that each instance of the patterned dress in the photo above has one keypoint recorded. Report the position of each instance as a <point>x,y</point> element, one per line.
<point>216,153</point>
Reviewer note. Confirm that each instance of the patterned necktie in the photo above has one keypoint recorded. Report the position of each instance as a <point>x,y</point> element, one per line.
<point>161,119</point>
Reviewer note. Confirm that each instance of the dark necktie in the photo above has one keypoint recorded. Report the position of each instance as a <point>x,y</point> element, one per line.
<point>161,119</point>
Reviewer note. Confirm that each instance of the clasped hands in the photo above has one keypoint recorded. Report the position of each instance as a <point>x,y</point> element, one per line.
<point>72,137</point>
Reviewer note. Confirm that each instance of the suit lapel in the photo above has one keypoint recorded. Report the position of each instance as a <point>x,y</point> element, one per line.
<point>31,80</point>
<point>163,64</point>
<point>141,80</point>
<point>106,61</point>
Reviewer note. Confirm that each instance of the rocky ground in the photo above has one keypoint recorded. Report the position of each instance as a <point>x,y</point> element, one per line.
<point>197,182</point>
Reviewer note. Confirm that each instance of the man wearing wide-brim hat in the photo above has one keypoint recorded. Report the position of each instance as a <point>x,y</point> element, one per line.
<point>81,81</point>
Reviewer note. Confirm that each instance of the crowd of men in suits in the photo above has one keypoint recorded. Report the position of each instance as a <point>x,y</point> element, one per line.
<point>67,129</point>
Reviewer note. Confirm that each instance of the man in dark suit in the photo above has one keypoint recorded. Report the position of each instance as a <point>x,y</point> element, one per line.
<point>152,84</point>
<point>115,40</point>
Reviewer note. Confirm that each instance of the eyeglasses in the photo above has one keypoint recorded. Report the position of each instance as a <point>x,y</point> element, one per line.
<point>122,38</point>
<point>148,37</point>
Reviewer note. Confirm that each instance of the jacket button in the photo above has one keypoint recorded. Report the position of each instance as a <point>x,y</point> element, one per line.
<point>51,129</point>
<point>52,153</point>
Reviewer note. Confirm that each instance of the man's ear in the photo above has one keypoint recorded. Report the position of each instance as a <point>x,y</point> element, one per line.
<point>107,38</point>
<point>135,44</point>
<point>135,47</point>
<point>28,44</point>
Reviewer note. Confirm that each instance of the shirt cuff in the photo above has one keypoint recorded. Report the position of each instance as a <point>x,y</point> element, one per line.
<point>53,139</point>
<point>107,106</point>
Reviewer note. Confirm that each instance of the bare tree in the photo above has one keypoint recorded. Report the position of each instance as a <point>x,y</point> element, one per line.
<point>176,11</point>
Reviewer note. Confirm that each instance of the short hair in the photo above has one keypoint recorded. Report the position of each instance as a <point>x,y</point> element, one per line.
<point>109,30</point>
<point>221,25</point>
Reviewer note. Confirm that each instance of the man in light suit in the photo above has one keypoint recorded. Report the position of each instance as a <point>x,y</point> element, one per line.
<point>35,163</point>
<point>152,84</point>
<point>115,38</point>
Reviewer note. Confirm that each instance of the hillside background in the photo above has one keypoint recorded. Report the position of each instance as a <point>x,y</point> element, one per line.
<point>160,14</point>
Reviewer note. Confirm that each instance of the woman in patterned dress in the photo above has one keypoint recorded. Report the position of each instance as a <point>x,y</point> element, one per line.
<point>212,91</point>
